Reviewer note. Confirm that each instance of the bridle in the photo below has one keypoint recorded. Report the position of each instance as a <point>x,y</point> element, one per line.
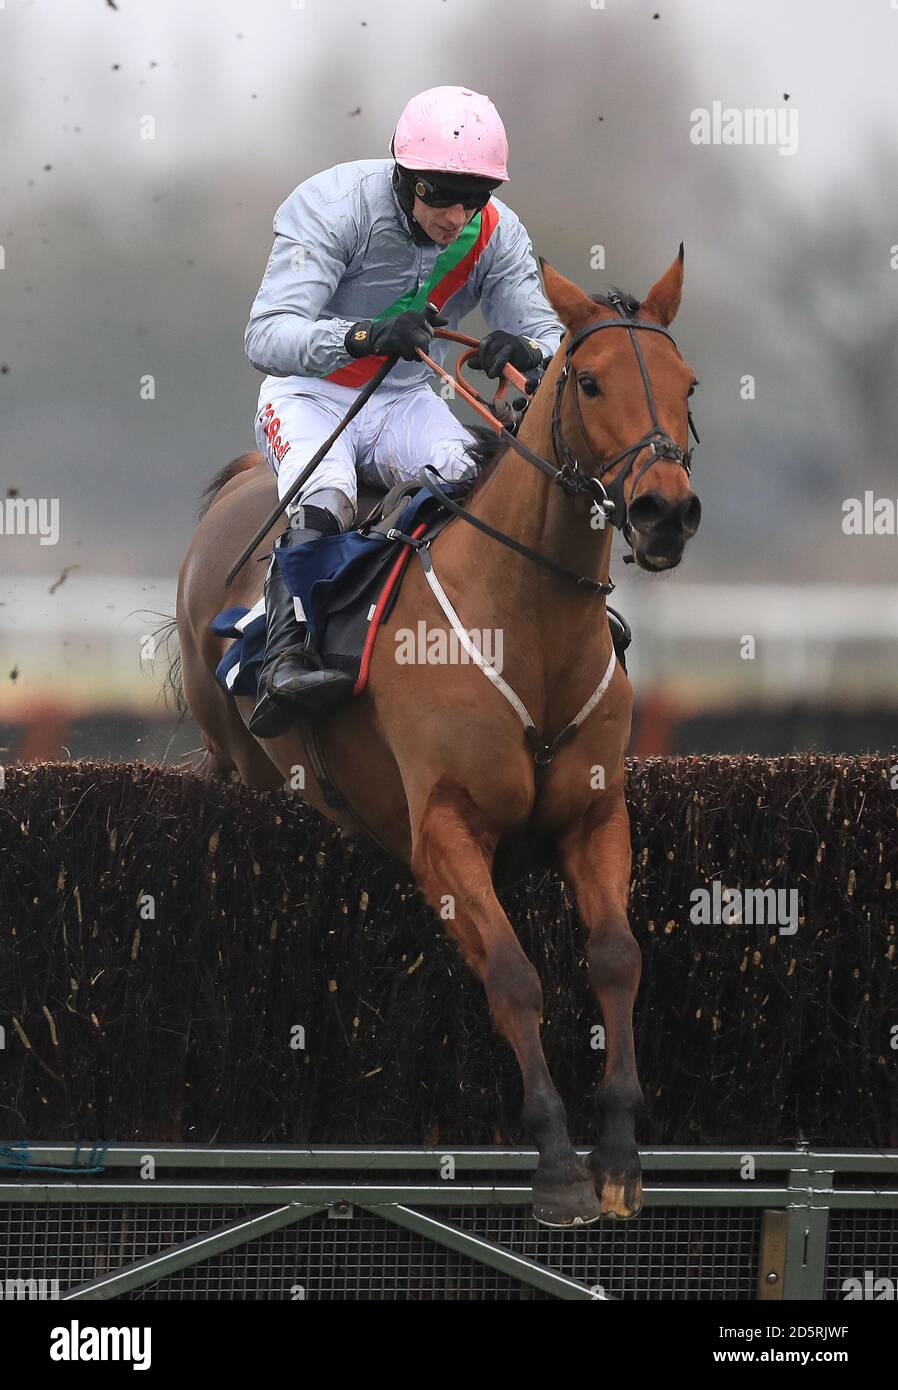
<point>659,443</point>
<point>566,470</point>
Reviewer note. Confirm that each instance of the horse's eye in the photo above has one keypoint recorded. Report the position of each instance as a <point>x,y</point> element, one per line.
<point>692,388</point>
<point>588,385</point>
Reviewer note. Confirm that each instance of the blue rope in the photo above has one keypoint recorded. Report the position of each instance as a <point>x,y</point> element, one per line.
<point>16,1156</point>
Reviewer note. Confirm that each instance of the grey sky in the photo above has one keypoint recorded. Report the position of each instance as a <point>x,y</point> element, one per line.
<point>130,256</point>
<point>835,58</point>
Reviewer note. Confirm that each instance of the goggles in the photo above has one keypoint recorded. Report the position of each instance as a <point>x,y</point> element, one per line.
<point>439,196</point>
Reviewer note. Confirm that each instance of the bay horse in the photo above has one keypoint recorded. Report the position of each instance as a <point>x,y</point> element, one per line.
<point>435,757</point>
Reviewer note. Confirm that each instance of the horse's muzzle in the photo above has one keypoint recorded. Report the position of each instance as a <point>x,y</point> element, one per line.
<point>660,528</point>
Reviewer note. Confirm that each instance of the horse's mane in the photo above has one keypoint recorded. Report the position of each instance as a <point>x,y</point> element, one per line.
<point>485,451</point>
<point>630,302</point>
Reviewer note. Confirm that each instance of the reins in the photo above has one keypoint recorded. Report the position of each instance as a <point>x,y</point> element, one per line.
<point>567,472</point>
<point>493,414</point>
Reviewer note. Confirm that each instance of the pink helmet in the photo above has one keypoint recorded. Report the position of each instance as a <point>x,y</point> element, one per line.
<point>453,130</point>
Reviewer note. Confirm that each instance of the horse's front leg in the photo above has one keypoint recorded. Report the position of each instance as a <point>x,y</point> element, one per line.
<point>454,844</point>
<point>595,856</point>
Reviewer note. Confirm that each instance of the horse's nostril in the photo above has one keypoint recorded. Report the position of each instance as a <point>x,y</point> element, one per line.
<point>690,514</point>
<point>648,511</point>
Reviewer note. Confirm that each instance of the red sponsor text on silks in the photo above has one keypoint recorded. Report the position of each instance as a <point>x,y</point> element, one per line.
<point>270,427</point>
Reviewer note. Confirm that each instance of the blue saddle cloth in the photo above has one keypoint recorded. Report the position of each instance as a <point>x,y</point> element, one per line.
<point>238,670</point>
<point>330,576</point>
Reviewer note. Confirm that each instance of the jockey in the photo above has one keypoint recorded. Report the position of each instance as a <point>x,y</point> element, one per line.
<point>359,252</point>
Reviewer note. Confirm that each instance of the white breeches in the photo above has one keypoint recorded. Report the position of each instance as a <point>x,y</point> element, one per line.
<point>394,435</point>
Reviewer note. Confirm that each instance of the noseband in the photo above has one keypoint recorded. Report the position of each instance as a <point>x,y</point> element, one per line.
<point>659,443</point>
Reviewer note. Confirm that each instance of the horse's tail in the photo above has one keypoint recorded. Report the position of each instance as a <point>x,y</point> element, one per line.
<point>242,464</point>
<point>166,635</point>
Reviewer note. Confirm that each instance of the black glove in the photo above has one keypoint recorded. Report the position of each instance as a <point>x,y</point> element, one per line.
<point>396,337</point>
<point>498,349</point>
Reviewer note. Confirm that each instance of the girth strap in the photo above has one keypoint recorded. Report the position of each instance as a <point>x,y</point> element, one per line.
<point>333,797</point>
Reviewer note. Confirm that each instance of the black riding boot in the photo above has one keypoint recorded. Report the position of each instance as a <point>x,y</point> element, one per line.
<point>292,680</point>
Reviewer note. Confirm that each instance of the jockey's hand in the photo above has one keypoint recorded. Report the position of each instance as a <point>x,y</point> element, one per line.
<point>401,336</point>
<point>499,349</point>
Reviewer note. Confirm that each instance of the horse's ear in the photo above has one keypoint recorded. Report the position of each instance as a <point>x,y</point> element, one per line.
<point>663,299</point>
<point>572,306</point>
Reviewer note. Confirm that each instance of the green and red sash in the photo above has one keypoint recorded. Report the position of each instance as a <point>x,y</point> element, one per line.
<point>451,269</point>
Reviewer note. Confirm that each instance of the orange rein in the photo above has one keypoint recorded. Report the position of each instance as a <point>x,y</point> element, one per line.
<point>510,377</point>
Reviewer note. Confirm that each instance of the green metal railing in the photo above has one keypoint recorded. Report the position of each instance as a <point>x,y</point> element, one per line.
<point>776,1205</point>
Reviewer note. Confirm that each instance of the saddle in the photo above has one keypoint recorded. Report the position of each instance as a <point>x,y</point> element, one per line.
<point>347,586</point>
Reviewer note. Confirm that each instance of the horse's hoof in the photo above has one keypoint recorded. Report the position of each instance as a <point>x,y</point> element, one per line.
<point>620,1195</point>
<point>571,1204</point>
